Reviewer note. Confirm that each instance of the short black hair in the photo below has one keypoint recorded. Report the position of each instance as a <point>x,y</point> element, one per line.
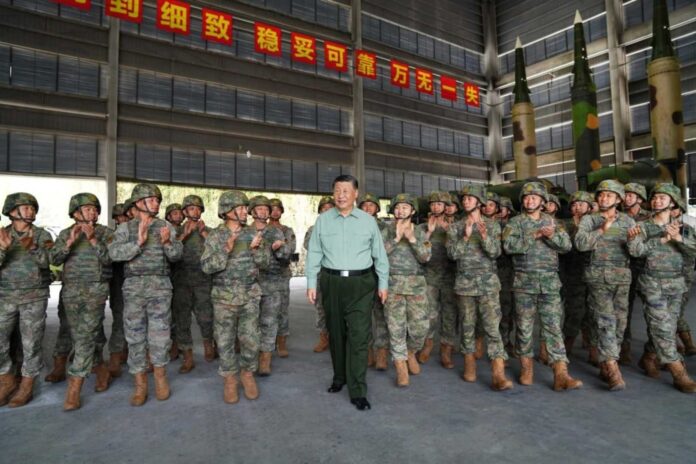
<point>345,178</point>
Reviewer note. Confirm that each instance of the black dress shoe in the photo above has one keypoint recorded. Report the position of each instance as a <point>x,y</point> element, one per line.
<point>335,388</point>
<point>361,403</point>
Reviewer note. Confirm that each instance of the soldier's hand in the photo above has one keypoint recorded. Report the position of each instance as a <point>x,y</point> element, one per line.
<point>229,244</point>
<point>5,239</point>
<point>432,224</point>
<point>408,232</point>
<point>608,223</point>
<point>201,226</point>
<point>549,230</point>
<point>382,294</point>
<point>277,244</point>
<point>88,231</point>
<point>256,242</point>
<point>399,232</point>
<point>673,231</point>
<point>74,233</point>
<point>481,226</point>
<point>28,240</point>
<point>142,230</point>
<point>468,229</point>
<point>165,235</point>
<point>633,232</point>
<point>312,295</point>
<point>189,227</point>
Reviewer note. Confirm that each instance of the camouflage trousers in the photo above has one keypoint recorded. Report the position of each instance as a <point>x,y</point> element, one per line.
<point>408,323</point>
<point>232,322</point>
<point>661,313</point>
<point>379,335</point>
<point>64,341</point>
<point>609,304</point>
<point>283,311</point>
<point>29,308</point>
<point>482,311</point>
<point>190,299</point>
<point>320,316</point>
<point>507,319</point>
<point>633,291</point>
<point>550,311</point>
<point>117,339</point>
<point>575,306</point>
<point>682,324</point>
<point>269,309</point>
<point>147,316</point>
<point>443,313</point>
<point>84,307</point>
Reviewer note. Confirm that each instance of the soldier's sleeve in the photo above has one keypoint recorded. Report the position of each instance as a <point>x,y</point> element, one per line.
<point>587,236</point>
<point>121,249</point>
<point>60,251</point>
<point>284,251</point>
<point>389,244</point>
<point>688,244</point>
<point>174,250</point>
<point>214,257</point>
<point>644,242</point>
<point>307,236</point>
<point>262,255</point>
<point>454,249</point>
<point>516,241</point>
<point>633,245</point>
<point>422,248</point>
<point>491,246</point>
<point>44,243</point>
<point>107,236</point>
<point>290,240</point>
<point>560,240</point>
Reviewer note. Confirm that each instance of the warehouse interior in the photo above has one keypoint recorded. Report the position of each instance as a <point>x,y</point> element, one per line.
<point>89,102</point>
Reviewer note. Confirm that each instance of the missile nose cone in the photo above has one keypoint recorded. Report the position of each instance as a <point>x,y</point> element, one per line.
<point>578,18</point>
<point>518,43</point>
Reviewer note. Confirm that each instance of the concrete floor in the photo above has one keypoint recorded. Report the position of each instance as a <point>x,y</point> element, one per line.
<point>439,418</point>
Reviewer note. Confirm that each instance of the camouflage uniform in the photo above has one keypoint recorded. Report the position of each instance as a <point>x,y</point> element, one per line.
<point>236,293</point>
<point>406,309</point>
<point>192,286</point>
<point>285,273</point>
<point>24,281</point>
<point>320,318</point>
<point>117,339</point>
<point>506,274</point>
<point>147,289</point>
<point>86,275</point>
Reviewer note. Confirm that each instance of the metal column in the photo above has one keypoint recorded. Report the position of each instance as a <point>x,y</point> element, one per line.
<point>621,116</point>
<point>358,128</point>
<point>112,116</point>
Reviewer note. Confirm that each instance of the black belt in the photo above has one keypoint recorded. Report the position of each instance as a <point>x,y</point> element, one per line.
<point>346,273</point>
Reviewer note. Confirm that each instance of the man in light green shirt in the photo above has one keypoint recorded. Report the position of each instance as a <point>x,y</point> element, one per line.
<point>347,246</point>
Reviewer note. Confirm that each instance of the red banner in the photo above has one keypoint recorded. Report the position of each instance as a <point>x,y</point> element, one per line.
<point>217,26</point>
<point>424,81</point>
<point>304,48</point>
<point>448,88</point>
<point>128,10</point>
<point>365,64</point>
<point>335,56</point>
<point>268,39</point>
<point>174,16</point>
<point>400,74</point>
<point>472,95</point>
<point>81,4</point>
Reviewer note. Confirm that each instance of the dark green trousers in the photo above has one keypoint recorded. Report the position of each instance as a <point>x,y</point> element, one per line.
<point>348,304</point>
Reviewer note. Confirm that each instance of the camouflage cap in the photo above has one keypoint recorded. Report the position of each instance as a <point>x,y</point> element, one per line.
<point>141,191</point>
<point>229,200</point>
<point>611,185</point>
<point>14,200</point>
<point>638,189</point>
<point>581,195</point>
<point>83,199</point>
<point>193,200</point>
<point>119,209</point>
<point>172,207</point>
<point>492,196</point>
<point>372,198</point>
<point>128,204</point>
<point>278,203</point>
<point>554,199</point>
<point>404,198</point>
<point>506,202</point>
<point>534,188</point>
<point>258,200</point>
<point>327,200</point>
<point>438,196</point>
<point>454,200</point>
<point>673,191</point>
<point>475,190</point>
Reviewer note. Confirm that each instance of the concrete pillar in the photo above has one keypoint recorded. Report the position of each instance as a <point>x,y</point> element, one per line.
<point>358,122</point>
<point>112,116</point>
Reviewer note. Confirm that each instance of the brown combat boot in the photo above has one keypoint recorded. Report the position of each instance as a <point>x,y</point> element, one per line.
<point>187,364</point>
<point>162,391</point>
<point>682,381</point>
<point>603,373</point>
<point>479,348</point>
<point>230,391</point>
<point>527,372</point>
<point>625,357</point>
<point>72,394</point>
<point>370,357</point>
<point>469,373</point>
<point>569,342</point>
<point>446,356</point>
<point>593,356</point>
<point>323,343</point>
<point>281,342</point>
<point>561,379</point>
<point>689,347</point>
<point>140,392</point>
<point>174,351</point>
<point>648,362</point>
<point>381,359</point>
<point>251,391</point>
<point>24,393</point>
<point>103,378</point>
<point>8,384</point>
<point>413,366</point>
<point>543,356</point>
<point>264,363</point>
<point>499,381</point>
<point>401,374</point>
<point>58,372</point>
<point>615,380</point>
<point>209,351</point>
<point>424,353</point>
<point>115,365</point>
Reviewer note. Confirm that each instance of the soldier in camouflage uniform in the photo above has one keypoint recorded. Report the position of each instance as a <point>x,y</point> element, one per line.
<point>24,281</point>
<point>535,240</point>
<point>233,255</point>
<point>664,243</point>
<point>378,345</point>
<point>290,245</point>
<point>118,349</point>
<point>439,275</point>
<point>474,243</point>
<point>270,279</point>
<point>175,216</point>
<point>506,273</point>
<point>147,245</point>
<point>406,309</point>
<point>191,293</point>
<point>452,209</point>
<point>574,289</point>
<point>604,236</point>
<point>689,273</point>
<point>553,206</point>
<point>82,250</point>
<point>633,207</point>
<point>325,204</point>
